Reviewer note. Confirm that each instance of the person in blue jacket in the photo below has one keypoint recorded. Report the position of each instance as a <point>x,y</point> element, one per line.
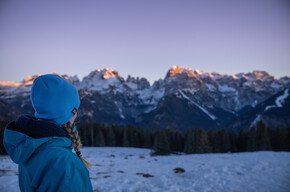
<point>42,144</point>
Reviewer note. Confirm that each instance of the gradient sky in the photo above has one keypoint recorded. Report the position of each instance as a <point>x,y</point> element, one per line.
<point>143,37</point>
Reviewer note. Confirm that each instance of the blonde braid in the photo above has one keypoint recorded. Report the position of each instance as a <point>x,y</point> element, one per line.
<point>76,142</point>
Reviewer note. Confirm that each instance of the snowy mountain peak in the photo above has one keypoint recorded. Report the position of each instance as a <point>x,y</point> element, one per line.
<point>9,84</point>
<point>260,74</point>
<point>182,71</point>
<point>9,89</point>
<point>138,83</point>
<point>175,70</point>
<point>235,77</point>
<point>199,72</point>
<point>29,80</point>
<point>256,75</point>
<point>102,74</point>
<point>101,79</point>
<point>72,79</point>
<point>109,73</point>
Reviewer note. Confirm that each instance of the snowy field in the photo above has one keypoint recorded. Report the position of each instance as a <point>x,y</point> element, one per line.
<point>131,169</point>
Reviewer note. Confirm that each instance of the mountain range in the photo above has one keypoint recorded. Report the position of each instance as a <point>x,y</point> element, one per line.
<point>184,99</point>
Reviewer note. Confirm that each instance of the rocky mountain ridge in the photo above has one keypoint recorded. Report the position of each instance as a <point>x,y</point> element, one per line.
<point>185,98</point>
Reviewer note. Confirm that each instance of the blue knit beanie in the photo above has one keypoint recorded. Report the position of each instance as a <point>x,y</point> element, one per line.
<point>54,99</point>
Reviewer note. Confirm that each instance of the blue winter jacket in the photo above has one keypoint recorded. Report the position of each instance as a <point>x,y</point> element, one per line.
<point>44,154</point>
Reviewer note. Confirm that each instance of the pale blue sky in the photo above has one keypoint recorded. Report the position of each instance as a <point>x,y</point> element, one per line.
<point>143,37</point>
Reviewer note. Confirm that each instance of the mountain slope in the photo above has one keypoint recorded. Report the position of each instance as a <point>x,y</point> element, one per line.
<point>274,112</point>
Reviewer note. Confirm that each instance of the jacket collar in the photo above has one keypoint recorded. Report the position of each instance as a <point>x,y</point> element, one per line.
<point>28,135</point>
<point>36,128</point>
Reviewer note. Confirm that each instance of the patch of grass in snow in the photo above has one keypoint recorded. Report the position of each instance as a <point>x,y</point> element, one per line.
<point>179,170</point>
<point>146,175</point>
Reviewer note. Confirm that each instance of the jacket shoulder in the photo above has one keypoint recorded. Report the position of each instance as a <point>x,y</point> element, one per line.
<point>58,169</point>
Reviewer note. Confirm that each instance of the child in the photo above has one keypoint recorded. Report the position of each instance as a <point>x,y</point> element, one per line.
<point>42,145</point>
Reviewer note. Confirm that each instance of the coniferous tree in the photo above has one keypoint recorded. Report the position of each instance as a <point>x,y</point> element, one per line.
<point>84,133</point>
<point>213,140</point>
<point>92,134</point>
<point>242,140</point>
<point>223,144</point>
<point>233,141</point>
<point>219,140</point>
<point>262,137</point>
<point>133,137</point>
<point>189,142</point>
<point>251,140</point>
<point>171,139</point>
<point>161,144</point>
<point>118,135</point>
<point>288,139</point>
<point>278,139</point>
<point>283,135</point>
<point>2,128</point>
<point>148,139</point>
<point>100,140</point>
<point>141,135</point>
<point>179,141</point>
<point>201,143</point>
<point>125,142</point>
<point>110,138</point>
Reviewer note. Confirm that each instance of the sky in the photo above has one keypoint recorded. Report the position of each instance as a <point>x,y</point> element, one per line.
<point>143,38</point>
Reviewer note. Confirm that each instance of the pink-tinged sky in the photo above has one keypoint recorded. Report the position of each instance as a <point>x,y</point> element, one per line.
<point>143,37</point>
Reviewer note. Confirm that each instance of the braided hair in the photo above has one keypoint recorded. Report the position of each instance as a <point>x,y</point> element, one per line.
<point>76,141</point>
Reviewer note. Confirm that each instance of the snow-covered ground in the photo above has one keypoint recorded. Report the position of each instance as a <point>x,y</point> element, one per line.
<point>125,169</point>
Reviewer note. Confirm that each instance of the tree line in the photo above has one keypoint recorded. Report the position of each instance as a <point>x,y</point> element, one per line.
<point>164,142</point>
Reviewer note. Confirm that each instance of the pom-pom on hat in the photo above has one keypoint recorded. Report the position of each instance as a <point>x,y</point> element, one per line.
<point>54,99</point>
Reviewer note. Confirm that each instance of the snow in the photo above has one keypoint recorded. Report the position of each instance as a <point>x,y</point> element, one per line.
<point>102,81</point>
<point>150,95</point>
<point>235,77</point>
<point>131,85</point>
<point>278,103</point>
<point>279,100</point>
<point>255,103</point>
<point>210,87</point>
<point>269,107</point>
<point>9,84</point>
<point>109,73</point>
<point>90,113</point>
<point>175,71</point>
<point>203,109</point>
<point>226,88</point>
<point>101,85</point>
<point>275,85</point>
<point>117,169</point>
<point>119,105</point>
<point>257,119</point>
<point>201,73</point>
<point>10,89</point>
